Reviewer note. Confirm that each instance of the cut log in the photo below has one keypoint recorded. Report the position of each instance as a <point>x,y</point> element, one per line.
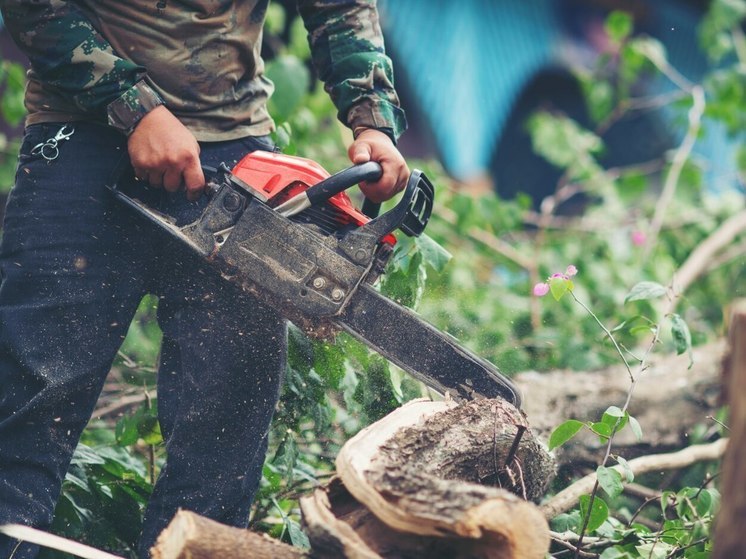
<point>731,520</point>
<point>688,397</point>
<point>190,536</point>
<point>434,478</point>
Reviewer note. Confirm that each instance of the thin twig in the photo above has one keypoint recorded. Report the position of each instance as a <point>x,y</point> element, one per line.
<point>680,158</point>
<point>608,334</point>
<point>702,257</point>
<point>123,403</point>
<point>488,239</point>
<point>568,497</point>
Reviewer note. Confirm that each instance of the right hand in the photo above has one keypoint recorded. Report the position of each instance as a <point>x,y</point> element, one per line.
<point>165,154</point>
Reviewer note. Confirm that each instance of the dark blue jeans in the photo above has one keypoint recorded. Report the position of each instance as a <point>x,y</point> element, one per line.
<point>75,265</point>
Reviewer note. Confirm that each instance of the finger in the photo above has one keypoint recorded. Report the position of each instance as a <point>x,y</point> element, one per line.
<point>172,179</point>
<point>404,174</point>
<point>155,178</point>
<point>360,152</point>
<point>379,191</point>
<point>194,181</point>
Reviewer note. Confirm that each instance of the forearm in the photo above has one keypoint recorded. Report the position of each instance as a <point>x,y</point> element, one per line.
<point>348,53</point>
<point>68,54</point>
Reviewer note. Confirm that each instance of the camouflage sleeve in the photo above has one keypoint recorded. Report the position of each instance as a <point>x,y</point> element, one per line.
<point>68,54</point>
<point>348,53</point>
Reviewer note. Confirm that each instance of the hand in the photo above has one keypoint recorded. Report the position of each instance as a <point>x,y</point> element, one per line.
<point>374,145</point>
<point>165,154</point>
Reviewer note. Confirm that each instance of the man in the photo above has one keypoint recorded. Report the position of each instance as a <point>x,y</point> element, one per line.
<point>173,85</point>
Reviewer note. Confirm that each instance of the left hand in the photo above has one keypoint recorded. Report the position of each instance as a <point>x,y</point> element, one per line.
<point>374,145</point>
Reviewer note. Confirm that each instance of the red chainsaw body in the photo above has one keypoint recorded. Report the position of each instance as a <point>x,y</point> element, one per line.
<point>279,177</point>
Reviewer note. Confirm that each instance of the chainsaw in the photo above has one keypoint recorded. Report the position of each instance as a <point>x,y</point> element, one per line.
<point>286,231</point>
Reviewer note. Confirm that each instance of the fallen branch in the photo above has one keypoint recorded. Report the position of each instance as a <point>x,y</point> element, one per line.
<point>190,536</point>
<point>568,497</point>
<point>45,539</point>
<point>690,396</point>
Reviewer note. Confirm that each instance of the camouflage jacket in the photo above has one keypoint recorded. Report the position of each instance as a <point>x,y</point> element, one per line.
<point>114,60</point>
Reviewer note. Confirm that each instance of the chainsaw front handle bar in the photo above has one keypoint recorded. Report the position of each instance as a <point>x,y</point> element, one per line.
<point>339,182</point>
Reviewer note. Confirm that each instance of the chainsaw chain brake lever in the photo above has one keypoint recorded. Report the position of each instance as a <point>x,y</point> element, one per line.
<point>410,215</point>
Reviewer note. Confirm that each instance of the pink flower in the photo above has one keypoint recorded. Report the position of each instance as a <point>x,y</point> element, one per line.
<point>638,238</point>
<point>571,271</point>
<point>541,289</point>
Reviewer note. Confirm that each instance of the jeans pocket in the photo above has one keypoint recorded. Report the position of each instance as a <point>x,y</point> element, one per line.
<point>34,135</point>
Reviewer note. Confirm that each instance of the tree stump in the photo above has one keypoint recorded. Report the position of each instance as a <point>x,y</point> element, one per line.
<point>731,520</point>
<point>436,479</point>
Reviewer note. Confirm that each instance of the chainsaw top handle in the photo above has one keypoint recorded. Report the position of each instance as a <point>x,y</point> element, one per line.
<point>410,214</point>
<point>338,182</point>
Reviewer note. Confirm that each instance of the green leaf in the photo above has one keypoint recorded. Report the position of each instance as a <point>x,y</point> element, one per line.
<point>642,329</point>
<point>12,105</point>
<point>636,429</point>
<point>329,363</point>
<point>281,136</point>
<point>741,158</point>
<point>297,537</point>
<point>559,287</point>
<point>610,481</point>
<point>618,26</point>
<point>291,79</point>
<point>645,290</point>
<point>704,503</point>
<point>629,475</point>
<point>682,338</point>
<point>564,432</point>
<point>614,411</point>
<point>603,430</point>
<point>565,144</point>
<point>655,550</point>
<point>615,552</point>
<point>615,418</point>
<point>433,254</point>
<point>274,21</point>
<point>597,513</point>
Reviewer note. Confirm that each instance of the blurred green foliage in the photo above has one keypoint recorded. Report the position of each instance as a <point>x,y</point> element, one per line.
<point>481,295</point>
<point>12,111</point>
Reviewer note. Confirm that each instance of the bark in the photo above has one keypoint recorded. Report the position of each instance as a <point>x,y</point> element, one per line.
<point>190,536</point>
<point>432,479</point>
<point>669,401</point>
<point>731,521</point>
